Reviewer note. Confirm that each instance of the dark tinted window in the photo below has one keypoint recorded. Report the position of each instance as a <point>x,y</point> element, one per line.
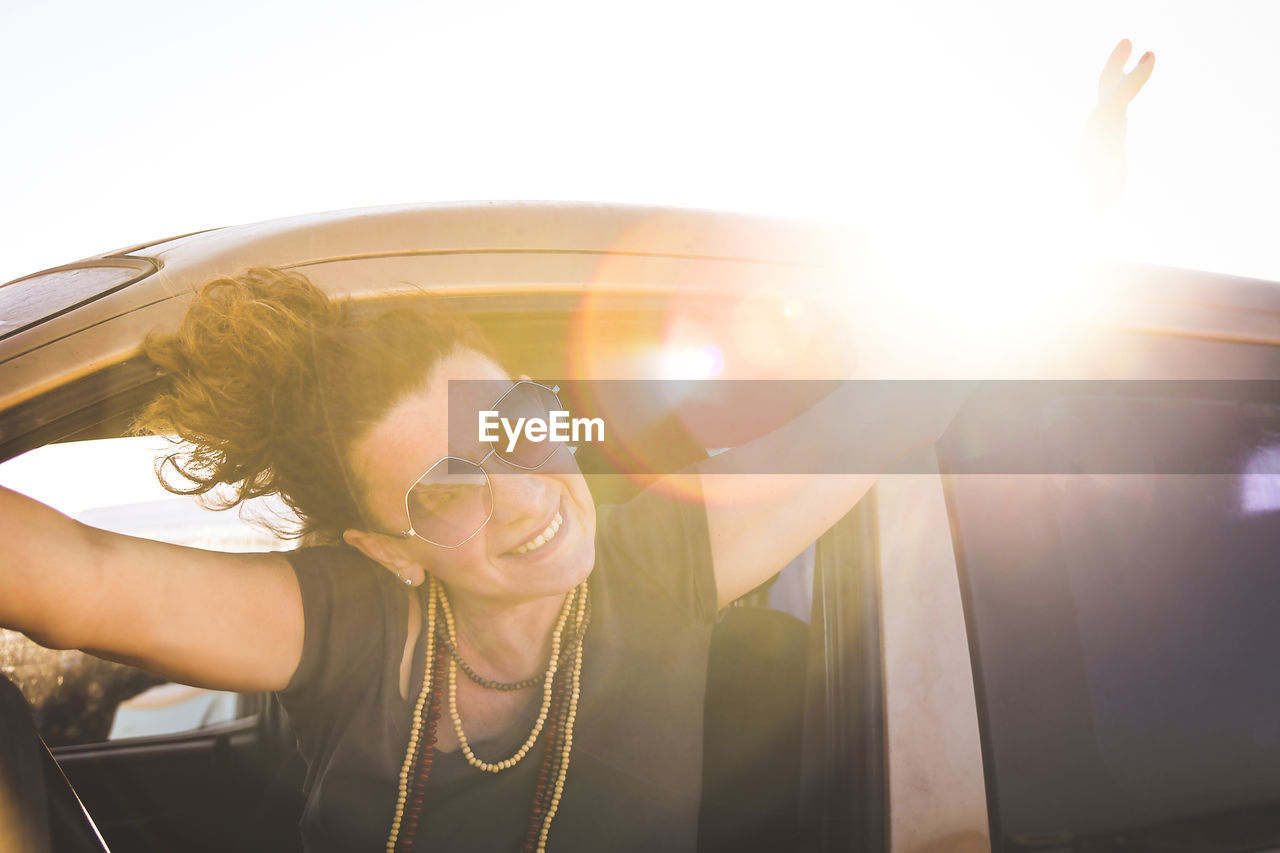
<point>27,301</point>
<point>1125,635</point>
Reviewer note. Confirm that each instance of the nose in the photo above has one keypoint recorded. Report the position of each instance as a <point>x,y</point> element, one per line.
<point>518,496</point>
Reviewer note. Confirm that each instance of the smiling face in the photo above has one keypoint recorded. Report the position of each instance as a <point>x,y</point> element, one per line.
<point>502,564</point>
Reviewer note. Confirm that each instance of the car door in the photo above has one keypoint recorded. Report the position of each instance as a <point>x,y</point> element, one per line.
<point>1117,559</point>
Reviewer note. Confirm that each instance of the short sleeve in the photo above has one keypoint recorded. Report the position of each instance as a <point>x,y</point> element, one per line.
<point>346,610</point>
<point>661,537</point>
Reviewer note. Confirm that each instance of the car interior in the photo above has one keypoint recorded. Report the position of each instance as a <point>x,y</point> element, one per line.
<point>39,809</point>
<point>774,718</point>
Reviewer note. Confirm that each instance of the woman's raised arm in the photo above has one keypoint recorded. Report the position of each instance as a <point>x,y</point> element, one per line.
<point>768,499</point>
<point>225,621</point>
<point>1102,144</point>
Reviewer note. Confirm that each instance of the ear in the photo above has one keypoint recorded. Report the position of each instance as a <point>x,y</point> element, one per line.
<point>389,552</point>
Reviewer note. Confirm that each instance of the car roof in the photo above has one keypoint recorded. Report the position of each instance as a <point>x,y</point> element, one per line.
<point>150,283</point>
<point>71,335</point>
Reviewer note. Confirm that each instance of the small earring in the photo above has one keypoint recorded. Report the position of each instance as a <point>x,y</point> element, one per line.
<point>407,581</point>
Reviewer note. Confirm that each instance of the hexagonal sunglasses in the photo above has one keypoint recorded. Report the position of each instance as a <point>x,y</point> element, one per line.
<point>453,499</point>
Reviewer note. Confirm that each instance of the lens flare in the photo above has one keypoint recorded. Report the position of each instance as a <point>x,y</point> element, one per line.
<point>704,362</point>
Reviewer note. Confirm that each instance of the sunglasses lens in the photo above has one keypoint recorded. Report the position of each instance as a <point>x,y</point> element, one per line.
<point>529,401</point>
<point>450,502</point>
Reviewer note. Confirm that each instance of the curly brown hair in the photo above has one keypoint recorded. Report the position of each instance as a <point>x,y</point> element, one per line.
<point>270,385</point>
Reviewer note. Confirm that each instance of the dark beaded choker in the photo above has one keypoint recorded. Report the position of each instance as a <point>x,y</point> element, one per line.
<point>531,681</point>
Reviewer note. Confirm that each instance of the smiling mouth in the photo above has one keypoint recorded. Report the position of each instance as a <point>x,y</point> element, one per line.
<point>541,539</point>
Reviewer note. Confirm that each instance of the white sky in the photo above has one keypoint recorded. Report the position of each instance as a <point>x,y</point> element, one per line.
<point>80,475</point>
<point>130,121</point>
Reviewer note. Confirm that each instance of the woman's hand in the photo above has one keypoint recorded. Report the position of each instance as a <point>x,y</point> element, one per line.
<point>1116,88</point>
<point>1102,147</point>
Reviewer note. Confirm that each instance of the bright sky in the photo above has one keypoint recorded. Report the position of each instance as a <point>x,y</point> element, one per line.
<point>135,120</point>
<point>125,475</point>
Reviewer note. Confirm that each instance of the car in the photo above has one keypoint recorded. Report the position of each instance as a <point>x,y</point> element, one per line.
<point>1052,631</point>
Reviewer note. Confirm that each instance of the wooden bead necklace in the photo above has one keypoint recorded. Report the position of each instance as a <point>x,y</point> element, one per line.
<point>402,790</point>
<point>507,686</point>
<point>571,714</point>
<point>494,767</point>
<point>557,716</point>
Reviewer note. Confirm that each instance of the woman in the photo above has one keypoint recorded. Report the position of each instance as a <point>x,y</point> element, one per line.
<point>476,660</point>
<point>514,670</point>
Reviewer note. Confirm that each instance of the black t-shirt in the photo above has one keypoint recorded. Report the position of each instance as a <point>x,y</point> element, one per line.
<point>635,770</point>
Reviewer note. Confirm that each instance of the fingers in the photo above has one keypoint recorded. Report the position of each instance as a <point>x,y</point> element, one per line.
<point>1116,88</point>
<point>1137,78</point>
<point>1114,69</point>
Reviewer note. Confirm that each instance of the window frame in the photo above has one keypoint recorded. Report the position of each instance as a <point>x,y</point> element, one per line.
<point>1201,344</point>
<point>844,765</point>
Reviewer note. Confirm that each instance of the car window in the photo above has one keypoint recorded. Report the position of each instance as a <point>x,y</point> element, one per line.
<point>1126,638</point>
<point>80,699</point>
<point>39,297</point>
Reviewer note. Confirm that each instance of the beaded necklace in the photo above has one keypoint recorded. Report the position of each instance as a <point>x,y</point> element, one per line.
<point>507,686</point>
<point>557,716</point>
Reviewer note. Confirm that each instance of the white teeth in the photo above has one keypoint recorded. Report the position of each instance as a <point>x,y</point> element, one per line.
<point>542,538</point>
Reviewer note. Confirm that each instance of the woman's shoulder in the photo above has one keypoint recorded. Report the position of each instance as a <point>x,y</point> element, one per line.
<point>665,504</point>
<point>352,609</point>
<point>314,557</point>
<point>657,542</point>
<point>340,570</point>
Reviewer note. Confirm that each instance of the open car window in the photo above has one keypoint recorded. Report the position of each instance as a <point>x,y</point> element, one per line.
<point>80,699</point>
